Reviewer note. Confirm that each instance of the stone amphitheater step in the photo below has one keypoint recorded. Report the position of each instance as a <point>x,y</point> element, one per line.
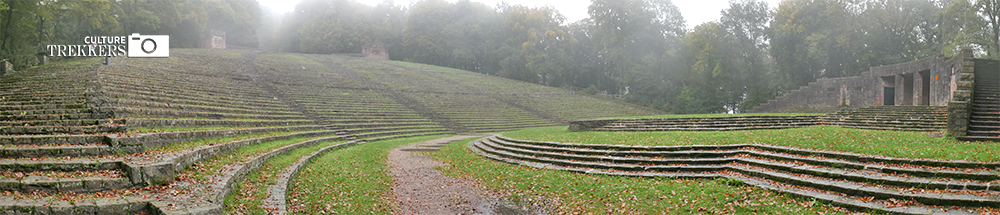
<point>984,124</point>
<point>46,111</point>
<point>208,103</point>
<point>955,183</point>
<point>60,129</point>
<point>197,122</point>
<point>394,133</point>
<point>69,122</point>
<point>63,174</point>
<point>45,116</point>
<point>181,97</point>
<point>167,113</point>
<point>4,107</point>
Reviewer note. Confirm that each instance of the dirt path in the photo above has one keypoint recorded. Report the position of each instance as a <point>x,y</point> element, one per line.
<point>421,189</point>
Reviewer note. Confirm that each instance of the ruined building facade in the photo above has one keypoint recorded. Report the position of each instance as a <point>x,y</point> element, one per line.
<point>925,82</point>
<point>968,87</point>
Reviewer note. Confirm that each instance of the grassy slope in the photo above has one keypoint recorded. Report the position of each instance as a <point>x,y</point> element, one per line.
<point>872,142</point>
<point>574,193</point>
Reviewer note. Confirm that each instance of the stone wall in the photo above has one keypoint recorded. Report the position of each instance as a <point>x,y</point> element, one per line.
<point>960,104</point>
<point>924,82</point>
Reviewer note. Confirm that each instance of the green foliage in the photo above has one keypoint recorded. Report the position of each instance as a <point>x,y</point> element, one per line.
<point>340,26</point>
<point>27,26</point>
<point>872,142</point>
<point>575,193</point>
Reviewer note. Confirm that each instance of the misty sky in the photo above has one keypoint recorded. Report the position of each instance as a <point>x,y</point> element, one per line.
<point>694,11</point>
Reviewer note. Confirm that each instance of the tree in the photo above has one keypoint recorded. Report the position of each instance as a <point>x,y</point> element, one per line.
<point>712,84</point>
<point>746,21</point>
<point>637,43</point>
<point>961,27</point>
<point>811,39</point>
<point>543,45</point>
<point>425,37</point>
<point>990,11</point>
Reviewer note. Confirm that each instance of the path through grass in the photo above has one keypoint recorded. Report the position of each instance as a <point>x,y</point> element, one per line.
<point>354,180</point>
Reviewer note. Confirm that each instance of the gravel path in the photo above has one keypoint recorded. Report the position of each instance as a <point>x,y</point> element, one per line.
<point>421,189</point>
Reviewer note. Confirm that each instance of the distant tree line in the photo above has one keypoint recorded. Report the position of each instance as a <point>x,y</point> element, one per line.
<point>640,50</point>
<point>27,26</point>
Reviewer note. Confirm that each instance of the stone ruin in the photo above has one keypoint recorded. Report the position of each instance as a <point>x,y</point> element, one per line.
<point>375,51</point>
<point>6,67</point>
<point>216,39</point>
<point>926,82</point>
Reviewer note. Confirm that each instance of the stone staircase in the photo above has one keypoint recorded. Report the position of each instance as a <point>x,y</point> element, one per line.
<point>984,120</point>
<point>51,140</point>
<point>901,118</point>
<point>854,181</point>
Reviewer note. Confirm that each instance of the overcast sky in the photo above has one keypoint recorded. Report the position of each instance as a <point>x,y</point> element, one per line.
<point>694,11</point>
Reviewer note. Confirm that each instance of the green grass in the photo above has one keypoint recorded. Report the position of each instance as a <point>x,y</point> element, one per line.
<point>248,195</point>
<point>354,180</point>
<point>717,115</point>
<point>213,166</point>
<point>872,142</point>
<point>575,193</point>
<point>288,58</point>
<point>201,142</point>
<point>229,53</point>
<point>71,62</point>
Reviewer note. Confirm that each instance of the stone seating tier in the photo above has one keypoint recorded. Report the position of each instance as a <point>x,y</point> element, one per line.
<point>840,179</point>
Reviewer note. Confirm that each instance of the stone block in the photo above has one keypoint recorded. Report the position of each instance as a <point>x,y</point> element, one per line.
<point>966,76</point>
<point>159,173</point>
<point>6,67</point>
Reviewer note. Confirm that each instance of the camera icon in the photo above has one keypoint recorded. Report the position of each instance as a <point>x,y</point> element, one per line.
<point>148,45</point>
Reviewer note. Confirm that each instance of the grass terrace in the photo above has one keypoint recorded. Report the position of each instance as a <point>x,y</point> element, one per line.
<point>903,144</point>
<point>480,113</point>
<point>566,106</point>
<point>302,71</point>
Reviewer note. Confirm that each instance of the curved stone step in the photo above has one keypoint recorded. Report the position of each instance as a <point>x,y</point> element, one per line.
<point>76,182</point>
<point>728,152</point>
<point>59,129</point>
<point>41,151</point>
<point>704,162</point>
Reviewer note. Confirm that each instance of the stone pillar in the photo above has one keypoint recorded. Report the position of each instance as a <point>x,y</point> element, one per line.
<point>900,94</point>
<point>5,67</point>
<point>960,106</point>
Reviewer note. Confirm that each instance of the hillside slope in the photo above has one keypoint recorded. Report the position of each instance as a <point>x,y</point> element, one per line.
<point>119,136</point>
